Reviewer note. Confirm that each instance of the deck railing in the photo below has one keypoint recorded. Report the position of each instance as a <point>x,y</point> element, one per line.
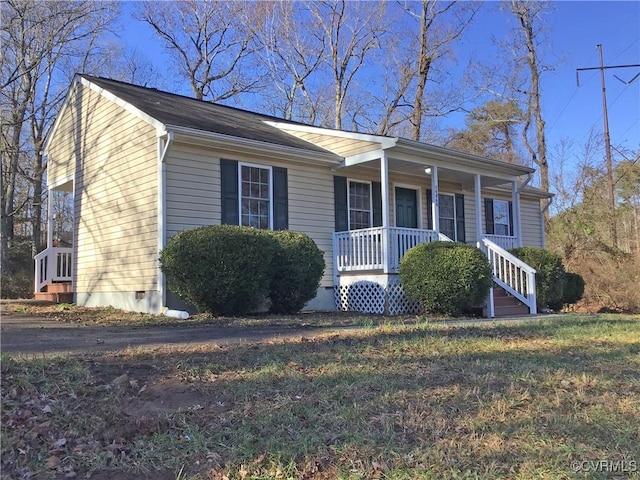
<point>403,239</point>
<point>504,241</point>
<point>53,265</point>
<point>359,250</point>
<point>512,274</point>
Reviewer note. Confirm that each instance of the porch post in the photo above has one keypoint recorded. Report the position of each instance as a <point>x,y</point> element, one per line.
<point>478,192</point>
<point>515,199</point>
<point>435,200</point>
<point>384,195</point>
<point>50,219</point>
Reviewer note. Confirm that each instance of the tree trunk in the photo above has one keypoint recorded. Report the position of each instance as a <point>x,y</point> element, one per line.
<point>424,64</point>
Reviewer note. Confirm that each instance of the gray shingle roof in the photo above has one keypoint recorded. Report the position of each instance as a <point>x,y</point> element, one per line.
<point>171,109</point>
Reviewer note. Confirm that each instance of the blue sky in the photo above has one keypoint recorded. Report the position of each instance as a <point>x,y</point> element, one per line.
<point>574,30</point>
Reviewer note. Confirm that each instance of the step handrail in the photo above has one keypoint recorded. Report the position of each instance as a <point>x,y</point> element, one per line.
<point>509,256</point>
<point>523,287</point>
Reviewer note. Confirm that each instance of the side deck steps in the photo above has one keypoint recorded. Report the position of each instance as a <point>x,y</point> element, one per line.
<point>57,292</point>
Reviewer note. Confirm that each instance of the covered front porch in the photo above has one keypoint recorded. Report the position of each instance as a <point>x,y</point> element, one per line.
<point>419,195</point>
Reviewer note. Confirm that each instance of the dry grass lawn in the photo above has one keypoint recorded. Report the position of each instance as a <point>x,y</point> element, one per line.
<point>551,399</point>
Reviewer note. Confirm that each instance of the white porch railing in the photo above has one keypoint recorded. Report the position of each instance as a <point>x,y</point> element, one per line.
<point>53,265</point>
<point>512,274</point>
<point>504,241</point>
<point>358,250</point>
<point>403,239</point>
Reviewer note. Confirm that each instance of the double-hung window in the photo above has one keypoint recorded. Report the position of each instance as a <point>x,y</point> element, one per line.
<point>360,207</point>
<point>501,217</point>
<point>498,217</point>
<point>447,220</point>
<point>255,196</point>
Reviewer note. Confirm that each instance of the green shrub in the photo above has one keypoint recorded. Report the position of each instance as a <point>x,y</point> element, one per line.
<point>549,277</point>
<point>296,270</point>
<point>222,269</point>
<point>445,277</point>
<point>573,288</point>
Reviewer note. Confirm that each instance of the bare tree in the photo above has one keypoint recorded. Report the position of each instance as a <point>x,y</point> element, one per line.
<point>352,30</point>
<point>44,43</point>
<point>440,24</point>
<point>209,41</point>
<point>293,53</point>
<point>530,19</point>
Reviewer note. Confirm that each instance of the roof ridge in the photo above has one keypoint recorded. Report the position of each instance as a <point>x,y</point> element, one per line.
<point>186,97</point>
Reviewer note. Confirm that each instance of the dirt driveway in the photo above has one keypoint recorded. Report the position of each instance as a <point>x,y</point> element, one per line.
<point>27,334</point>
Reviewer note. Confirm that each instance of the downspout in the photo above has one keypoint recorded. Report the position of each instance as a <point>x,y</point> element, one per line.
<point>163,148</point>
<point>542,231</point>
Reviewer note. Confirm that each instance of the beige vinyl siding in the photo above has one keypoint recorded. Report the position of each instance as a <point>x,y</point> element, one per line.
<point>531,221</point>
<point>336,144</point>
<point>63,148</point>
<point>193,195</point>
<point>115,198</point>
<point>470,217</point>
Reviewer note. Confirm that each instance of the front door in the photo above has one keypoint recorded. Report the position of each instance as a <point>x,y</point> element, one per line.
<point>406,207</point>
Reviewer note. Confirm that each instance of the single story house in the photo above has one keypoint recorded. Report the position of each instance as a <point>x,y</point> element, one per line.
<point>144,164</point>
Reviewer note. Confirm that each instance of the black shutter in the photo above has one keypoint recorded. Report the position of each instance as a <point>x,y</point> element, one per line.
<point>511,232</point>
<point>229,191</point>
<point>376,197</point>
<point>340,197</point>
<point>460,233</point>
<point>488,216</point>
<point>429,210</point>
<point>280,199</point>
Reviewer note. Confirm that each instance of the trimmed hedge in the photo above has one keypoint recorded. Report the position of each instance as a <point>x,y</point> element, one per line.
<point>445,277</point>
<point>232,270</point>
<point>222,269</point>
<point>296,269</point>
<point>550,276</point>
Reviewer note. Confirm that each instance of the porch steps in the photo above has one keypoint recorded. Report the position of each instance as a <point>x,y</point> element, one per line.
<point>506,305</point>
<point>59,292</point>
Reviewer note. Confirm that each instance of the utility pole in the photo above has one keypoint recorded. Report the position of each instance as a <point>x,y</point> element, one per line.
<point>607,143</point>
<point>607,149</point>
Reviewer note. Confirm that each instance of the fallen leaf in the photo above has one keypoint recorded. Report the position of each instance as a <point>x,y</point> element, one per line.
<point>47,409</point>
<point>52,462</point>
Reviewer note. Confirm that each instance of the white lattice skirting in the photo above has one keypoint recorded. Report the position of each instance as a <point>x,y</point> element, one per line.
<point>371,297</point>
